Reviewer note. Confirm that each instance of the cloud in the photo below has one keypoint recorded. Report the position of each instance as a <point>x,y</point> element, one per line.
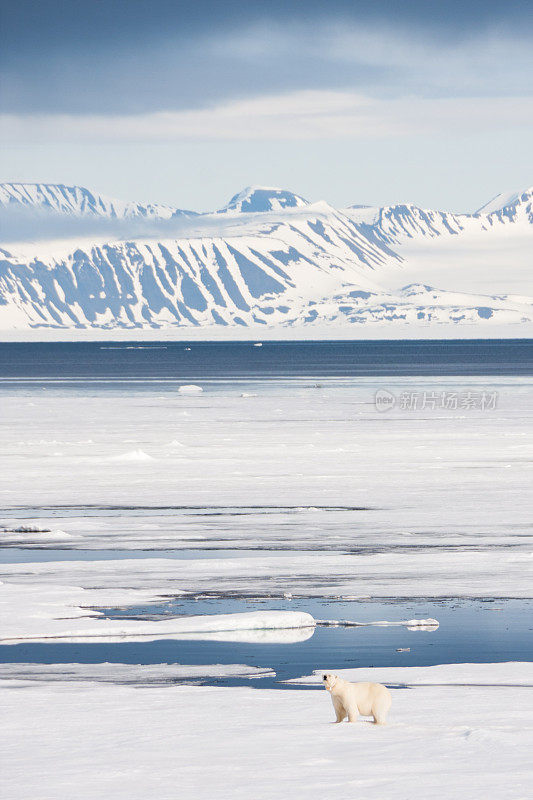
<point>311,115</point>
<point>477,55</point>
<point>19,224</point>
<point>486,63</point>
<point>137,71</point>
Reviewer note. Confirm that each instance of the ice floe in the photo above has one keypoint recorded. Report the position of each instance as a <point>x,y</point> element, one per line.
<point>423,573</point>
<point>411,624</point>
<point>132,455</point>
<point>128,673</point>
<point>43,612</point>
<point>190,388</point>
<point>32,536</point>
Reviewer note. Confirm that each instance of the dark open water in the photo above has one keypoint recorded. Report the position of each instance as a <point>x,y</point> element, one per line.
<point>204,360</point>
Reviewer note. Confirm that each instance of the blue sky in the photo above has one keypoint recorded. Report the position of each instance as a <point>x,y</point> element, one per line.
<point>187,102</point>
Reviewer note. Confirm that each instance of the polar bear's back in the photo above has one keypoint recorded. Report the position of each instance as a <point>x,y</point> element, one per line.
<point>370,697</point>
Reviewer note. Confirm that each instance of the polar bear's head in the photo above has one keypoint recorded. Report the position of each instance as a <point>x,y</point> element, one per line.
<point>329,680</point>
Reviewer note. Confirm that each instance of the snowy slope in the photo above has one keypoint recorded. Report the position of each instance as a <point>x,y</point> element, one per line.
<point>267,258</point>
<point>510,206</point>
<point>263,198</point>
<point>77,201</point>
<point>274,270</point>
<point>392,224</point>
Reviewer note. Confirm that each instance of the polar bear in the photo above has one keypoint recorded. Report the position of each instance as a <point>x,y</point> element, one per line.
<point>354,699</point>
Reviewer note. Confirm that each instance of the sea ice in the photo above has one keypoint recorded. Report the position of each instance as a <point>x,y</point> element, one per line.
<point>351,482</point>
<point>33,537</point>
<point>132,455</point>
<point>454,731</point>
<point>129,673</point>
<point>40,612</point>
<point>190,388</point>
<point>411,624</point>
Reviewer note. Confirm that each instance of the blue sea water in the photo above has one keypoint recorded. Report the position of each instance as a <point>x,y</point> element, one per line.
<point>240,360</point>
<point>470,631</point>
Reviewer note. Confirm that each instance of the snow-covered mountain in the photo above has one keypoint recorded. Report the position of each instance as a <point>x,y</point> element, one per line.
<point>510,207</point>
<point>263,198</point>
<point>268,258</point>
<point>393,224</point>
<point>79,202</point>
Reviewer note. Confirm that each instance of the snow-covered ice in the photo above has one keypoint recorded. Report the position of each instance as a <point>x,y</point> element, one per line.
<point>41,613</point>
<point>128,673</point>
<point>190,388</point>
<point>132,455</point>
<point>412,624</point>
<point>428,502</point>
<point>454,731</point>
<point>38,537</point>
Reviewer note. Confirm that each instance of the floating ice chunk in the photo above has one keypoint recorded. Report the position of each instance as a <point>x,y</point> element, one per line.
<point>352,597</point>
<point>246,626</point>
<point>258,344</point>
<point>422,624</point>
<point>248,394</point>
<point>337,623</point>
<point>190,388</point>
<point>133,455</point>
<point>248,620</point>
<point>258,636</point>
<point>411,624</point>
<point>57,535</point>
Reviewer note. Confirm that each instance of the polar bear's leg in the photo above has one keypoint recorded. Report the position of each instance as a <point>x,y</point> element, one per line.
<point>353,714</point>
<point>380,710</point>
<point>340,713</point>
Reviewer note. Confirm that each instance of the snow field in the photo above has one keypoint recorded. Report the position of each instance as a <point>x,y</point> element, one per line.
<point>454,731</point>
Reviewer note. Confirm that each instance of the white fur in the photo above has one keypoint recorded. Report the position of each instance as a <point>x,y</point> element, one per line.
<point>354,699</point>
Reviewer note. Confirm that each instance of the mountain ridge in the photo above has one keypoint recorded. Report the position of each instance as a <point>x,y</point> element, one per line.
<point>255,199</point>
<point>268,258</point>
<point>78,200</point>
